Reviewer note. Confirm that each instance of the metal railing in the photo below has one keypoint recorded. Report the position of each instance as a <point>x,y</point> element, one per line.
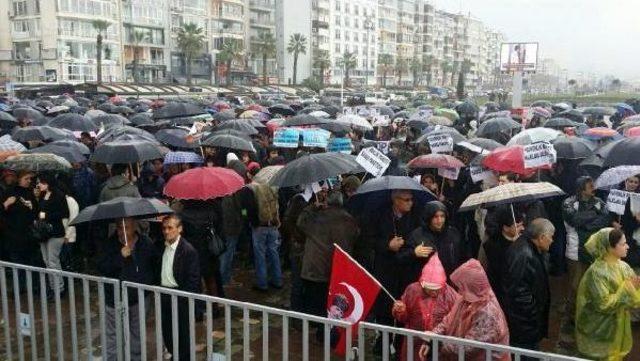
<point>80,316</point>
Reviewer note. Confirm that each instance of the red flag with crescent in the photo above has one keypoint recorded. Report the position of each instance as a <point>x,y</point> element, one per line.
<point>352,293</point>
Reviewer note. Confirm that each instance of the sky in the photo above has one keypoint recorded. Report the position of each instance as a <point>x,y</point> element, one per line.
<point>599,36</point>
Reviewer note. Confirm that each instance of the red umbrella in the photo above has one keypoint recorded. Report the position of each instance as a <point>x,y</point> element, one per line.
<point>204,183</point>
<point>435,161</point>
<point>509,159</point>
<point>632,132</point>
<point>258,108</point>
<point>220,105</point>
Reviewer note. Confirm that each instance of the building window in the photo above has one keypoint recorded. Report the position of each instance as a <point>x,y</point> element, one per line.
<point>20,7</point>
<point>355,37</point>
<point>355,9</point>
<point>347,22</point>
<point>338,5</point>
<point>337,47</point>
<point>347,37</point>
<point>337,37</point>
<point>337,20</point>
<point>356,24</point>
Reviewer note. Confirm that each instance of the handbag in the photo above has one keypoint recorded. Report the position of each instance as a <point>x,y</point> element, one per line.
<point>215,243</point>
<point>41,230</point>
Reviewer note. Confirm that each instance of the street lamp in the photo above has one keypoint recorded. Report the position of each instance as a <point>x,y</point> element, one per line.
<point>368,26</point>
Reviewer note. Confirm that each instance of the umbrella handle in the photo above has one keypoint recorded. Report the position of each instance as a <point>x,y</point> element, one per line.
<point>513,214</point>
<point>442,187</point>
<point>124,229</point>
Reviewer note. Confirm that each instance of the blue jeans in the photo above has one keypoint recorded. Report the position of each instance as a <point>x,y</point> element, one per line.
<point>266,244</point>
<point>226,259</point>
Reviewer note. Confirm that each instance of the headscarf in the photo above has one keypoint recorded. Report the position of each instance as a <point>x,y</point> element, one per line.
<point>433,273</point>
<point>430,209</point>
<point>598,244</point>
<point>472,282</point>
<point>581,183</point>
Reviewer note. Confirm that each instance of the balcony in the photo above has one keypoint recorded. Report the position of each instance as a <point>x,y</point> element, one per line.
<point>21,35</point>
<point>320,24</point>
<point>262,5</point>
<point>236,16</point>
<point>262,23</point>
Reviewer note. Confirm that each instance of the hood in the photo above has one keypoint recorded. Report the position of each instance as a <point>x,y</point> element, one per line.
<point>117,181</point>
<point>431,208</point>
<point>598,244</point>
<point>581,183</point>
<point>472,282</point>
<point>433,273</point>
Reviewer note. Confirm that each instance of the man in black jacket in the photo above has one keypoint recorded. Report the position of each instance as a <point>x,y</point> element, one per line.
<point>127,256</point>
<point>526,285</point>
<point>180,270</point>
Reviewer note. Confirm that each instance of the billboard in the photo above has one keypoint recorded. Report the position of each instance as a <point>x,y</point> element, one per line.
<point>518,57</point>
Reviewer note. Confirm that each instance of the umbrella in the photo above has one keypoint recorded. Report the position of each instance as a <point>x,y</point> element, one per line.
<point>126,151</point>
<point>453,133</point>
<point>623,152</point>
<point>374,194</point>
<point>632,132</point>
<point>384,110</point>
<point>355,121</point>
<point>467,108</point>
<point>598,111</point>
<point>542,103</point>
<point>510,193</point>
<point>497,125</point>
<point>106,107</point>
<point>239,125</point>
<point>110,120</point>
<point>435,161</point>
<point>333,110</point>
<point>508,159</point>
<point>534,135</point>
<point>616,175</point>
<point>7,145</point>
<point>40,133</point>
<point>229,132</point>
<point>178,110</point>
<point>440,120</point>
<point>335,127</point>
<point>176,137</point>
<point>281,109</point>
<point>301,120</point>
<point>421,123</point>
<point>625,106</point>
<point>141,119</point>
<point>572,114</point>
<point>319,114</point>
<point>29,113</point>
<point>480,145</point>
<point>204,183</point>
<point>73,122</point>
<point>312,168</point>
<point>57,109</point>
<point>265,174</point>
<point>120,132</point>
<point>491,115</point>
<point>72,155</point>
<point>572,148</point>
<point>79,147</point>
<point>601,133</point>
<point>182,158</point>
<point>541,112</point>
<point>121,109</point>
<point>92,113</point>
<point>560,107</point>
<point>122,207</point>
<point>224,116</point>
<point>228,141</point>
<point>258,108</point>
<point>449,113</point>
<point>592,165</point>
<point>560,123</point>
<point>7,121</point>
<point>37,162</point>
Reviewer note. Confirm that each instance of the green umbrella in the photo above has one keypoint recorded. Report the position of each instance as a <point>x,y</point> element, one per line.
<point>449,113</point>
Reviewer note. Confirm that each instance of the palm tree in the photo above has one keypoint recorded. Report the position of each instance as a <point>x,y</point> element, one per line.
<point>465,67</point>
<point>297,45</point>
<point>386,61</point>
<point>267,48</point>
<point>428,64</point>
<point>445,67</point>
<point>137,38</point>
<point>100,26</point>
<point>616,84</point>
<point>322,62</point>
<point>231,50</point>
<point>401,68</point>
<point>348,62</point>
<point>454,70</point>
<point>416,67</point>
<point>190,40</point>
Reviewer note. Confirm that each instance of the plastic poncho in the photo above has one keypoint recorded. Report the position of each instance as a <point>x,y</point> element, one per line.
<point>476,316</point>
<point>605,296</point>
<point>423,312</point>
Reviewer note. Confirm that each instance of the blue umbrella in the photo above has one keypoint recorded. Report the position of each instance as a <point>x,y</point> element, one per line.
<point>182,158</point>
<point>626,107</point>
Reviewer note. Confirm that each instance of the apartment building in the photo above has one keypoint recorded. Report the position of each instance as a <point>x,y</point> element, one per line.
<point>262,19</point>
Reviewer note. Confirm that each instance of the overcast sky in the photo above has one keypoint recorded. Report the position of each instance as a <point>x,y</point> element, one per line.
<point>598,36</point>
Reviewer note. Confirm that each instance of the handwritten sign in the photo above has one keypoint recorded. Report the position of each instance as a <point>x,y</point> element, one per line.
<point>479,173</point>
<point>617,201</point>
<point>381,121</point>
<point>440,143</point>
<point>373,161</point>
<point>315,138</point>
<point>348,111</point>
<point>538,155</point>
<point>449,173</point>
<point>286,138</point>
<point>342,145</point>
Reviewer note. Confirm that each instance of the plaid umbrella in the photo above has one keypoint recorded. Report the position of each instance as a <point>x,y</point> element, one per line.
<point>510,193</point>
<point>435,161</point>
<point>37,162</point>
<point>265,174</point>
<point>616,175</point>
<point>7,144</point>
<point>183,158</point>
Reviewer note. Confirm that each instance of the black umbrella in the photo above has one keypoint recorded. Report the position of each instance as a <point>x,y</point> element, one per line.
<point>497,125</point>
<point>126,151</point>
<point>176,137</point>
<point>573,147</point>
<point>335,127</point>
<point>106,107</point>
<point>332,110</point>
<point>303,119</point>
<point>572,114</point>
<point>560,123</point>
<point>73,122</point>
<point>453,133</point>
<point>239,125</point>
<point>70,154</point>
<point>418,123</point>
<point>467,108</point>
<point>375,194</point>
<point>117,132</point>
<point>141,119</point>
<point>122,109</point>
<point>404,114</point>
<point>599,111</point>
<point>45,104</point>
<point>7,121</point>
<point>542,103</point>
<point>109,120</point>
<point>592,166</point>
<point>315,167</point>
<point>42,133</point>
<point>34,116</point>
<point>311,109</point>
<point>178,110</point>
<point>224,115</point>
<point>384,110</point>
<point>478,145</point>
<point>623,152</point>
<point>228,141</point>
<point>122,207</point>
<point>77,146</point>
<point>282,109</point>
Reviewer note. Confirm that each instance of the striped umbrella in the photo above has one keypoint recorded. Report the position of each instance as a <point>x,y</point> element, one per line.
<point>616,175</point>
<point>510,193</point>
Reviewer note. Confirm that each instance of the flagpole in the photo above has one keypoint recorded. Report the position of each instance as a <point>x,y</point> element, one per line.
<point>365,271</point>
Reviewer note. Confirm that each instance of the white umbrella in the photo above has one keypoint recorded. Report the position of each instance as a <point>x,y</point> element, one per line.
<point>355,121</point>
<point>534,135</point>
<point>616,175</point>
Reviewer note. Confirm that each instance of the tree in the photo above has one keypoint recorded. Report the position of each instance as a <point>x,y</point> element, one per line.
<point>100,26</point>
<point>348,62</point>
<point>465,67</point>
<point>445,67</point>
<point>616,84</point>
<point>190,40</point>
<point>401,68</point>
<point>454,70</point>
<point>322,62</point>
<point>572,82</point>
<point>314,83</point>
<point>231,50</point>
<point>386,61</point>
<point>297,45</point>
<point>428,64</point>
<point>416,67</point>
<point>266,48</point>
<point>137,38</point>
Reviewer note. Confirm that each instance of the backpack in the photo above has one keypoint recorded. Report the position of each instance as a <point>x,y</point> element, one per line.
<point>267,201</point>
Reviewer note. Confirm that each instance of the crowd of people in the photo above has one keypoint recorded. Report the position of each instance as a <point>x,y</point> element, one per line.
<point>481,275</point>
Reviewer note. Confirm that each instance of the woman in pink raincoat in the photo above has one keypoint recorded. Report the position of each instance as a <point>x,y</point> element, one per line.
<point>475,316</point>
<point>425,303</point>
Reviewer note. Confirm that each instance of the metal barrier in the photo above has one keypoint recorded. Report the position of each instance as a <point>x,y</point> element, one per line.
<point>242,335</point>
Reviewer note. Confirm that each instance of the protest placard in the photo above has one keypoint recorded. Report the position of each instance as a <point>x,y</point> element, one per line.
<point>342,145</point>
<point>373,161</point>
<point>449,173</point>
<point>479,173</point>
<point>538,155</point>
<point>617,201</point>
<point>286,138</point>
<point>315,138</point>
<point>440,143</point>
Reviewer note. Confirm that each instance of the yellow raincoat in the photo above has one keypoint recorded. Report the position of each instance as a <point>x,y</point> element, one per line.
<point>605,296</point>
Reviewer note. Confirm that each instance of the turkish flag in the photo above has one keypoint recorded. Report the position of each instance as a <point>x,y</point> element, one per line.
<point>352,293</point>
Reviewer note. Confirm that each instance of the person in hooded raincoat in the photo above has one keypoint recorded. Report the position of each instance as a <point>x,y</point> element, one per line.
<point>608,290</point>
<point>476,315</point>
<point>425,302</point>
